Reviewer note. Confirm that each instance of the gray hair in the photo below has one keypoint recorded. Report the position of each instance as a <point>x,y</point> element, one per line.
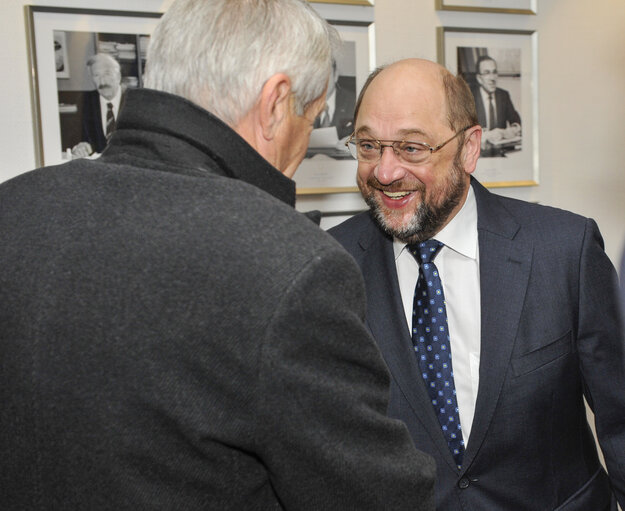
<point>104,58</point>
<point>219,53</point>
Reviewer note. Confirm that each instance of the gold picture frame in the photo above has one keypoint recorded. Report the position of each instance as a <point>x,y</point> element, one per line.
<point>512,162</point>
<point>344,2</point>
<point>497,6</point>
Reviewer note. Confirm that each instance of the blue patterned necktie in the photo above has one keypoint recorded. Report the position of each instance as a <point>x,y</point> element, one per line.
<point>430,337</point>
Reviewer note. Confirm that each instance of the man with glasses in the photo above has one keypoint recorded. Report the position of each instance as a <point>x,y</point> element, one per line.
<point>501,123</point>
<point>496,317</point>
<point>174,334</point>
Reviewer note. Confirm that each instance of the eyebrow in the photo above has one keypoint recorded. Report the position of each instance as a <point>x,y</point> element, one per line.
<point>403,133</point>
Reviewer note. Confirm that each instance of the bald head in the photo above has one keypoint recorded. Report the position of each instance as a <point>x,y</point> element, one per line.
<point>435,88</point>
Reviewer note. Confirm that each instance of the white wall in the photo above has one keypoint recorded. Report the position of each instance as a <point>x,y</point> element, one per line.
<point>581,77</point>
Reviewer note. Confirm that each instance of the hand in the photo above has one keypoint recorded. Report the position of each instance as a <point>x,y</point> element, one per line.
<point>512,131</point>
<point>492,136</point>
<point>81,150</point>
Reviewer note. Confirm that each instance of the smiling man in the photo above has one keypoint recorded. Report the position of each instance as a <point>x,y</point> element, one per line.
<point>496,317</point>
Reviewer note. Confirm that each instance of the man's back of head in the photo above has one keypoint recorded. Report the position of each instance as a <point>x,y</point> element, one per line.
<point>174,334</point>
<point>219,53</point>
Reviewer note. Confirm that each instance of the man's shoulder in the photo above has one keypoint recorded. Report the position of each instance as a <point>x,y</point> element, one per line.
<point>502,93</point>
<point>352,226</point>
<point>540,220</point>
<point>358,230</point>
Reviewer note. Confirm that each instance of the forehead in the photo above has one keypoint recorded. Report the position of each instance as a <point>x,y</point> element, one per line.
<point>103,66</point>
<point>404,99</point>
<point>488,65</point>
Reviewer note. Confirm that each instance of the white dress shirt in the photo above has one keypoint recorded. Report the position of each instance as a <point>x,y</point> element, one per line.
<point>458,266</point>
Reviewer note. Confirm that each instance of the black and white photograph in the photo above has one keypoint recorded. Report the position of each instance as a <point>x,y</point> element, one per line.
<point>85,60</point>
<point>500,67</point>
<point>494,76</point>
<point>107,65</point>
<point>335,123</point>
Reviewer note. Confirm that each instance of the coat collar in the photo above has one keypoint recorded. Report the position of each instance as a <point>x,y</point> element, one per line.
<point>177,135</point>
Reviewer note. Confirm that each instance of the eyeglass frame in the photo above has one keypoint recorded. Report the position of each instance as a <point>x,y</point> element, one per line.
<point>391,145</point>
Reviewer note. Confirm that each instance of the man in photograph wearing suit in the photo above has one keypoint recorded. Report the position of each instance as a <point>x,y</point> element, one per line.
<point>495,112</point>
<point>496,317</point>
<point>174,334</point>
<point>340,101</point>
<point>100,106</point>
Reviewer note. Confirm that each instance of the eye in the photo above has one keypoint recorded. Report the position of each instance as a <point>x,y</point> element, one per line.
<point>412,148</point>
<point>366,146</point>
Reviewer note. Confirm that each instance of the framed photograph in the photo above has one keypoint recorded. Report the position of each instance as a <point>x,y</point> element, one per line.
<point>501,6</point>
<point>61,82</point>
<point>500,67</point>
<point>328,167</point>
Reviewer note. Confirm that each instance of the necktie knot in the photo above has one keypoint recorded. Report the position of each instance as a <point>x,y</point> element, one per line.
<point>425,251</point>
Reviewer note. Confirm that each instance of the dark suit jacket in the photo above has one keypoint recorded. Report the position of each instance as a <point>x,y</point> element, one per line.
<point>343,117</point>
<point>92,130</point>
<point>505,111</point>
<point>550,337</point>
<point>175,336</point>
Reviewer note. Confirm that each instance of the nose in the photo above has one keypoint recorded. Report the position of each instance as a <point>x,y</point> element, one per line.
<point>389,168</point>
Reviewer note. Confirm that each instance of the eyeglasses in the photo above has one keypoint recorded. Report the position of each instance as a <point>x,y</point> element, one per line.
<point>369,150</point>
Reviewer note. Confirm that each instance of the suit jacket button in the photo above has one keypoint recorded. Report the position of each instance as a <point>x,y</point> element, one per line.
<point>464,483</point>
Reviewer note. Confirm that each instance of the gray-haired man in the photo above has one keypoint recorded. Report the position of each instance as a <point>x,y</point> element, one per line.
<point>174,334</point>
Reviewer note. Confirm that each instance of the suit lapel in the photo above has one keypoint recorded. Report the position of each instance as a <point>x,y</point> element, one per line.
<point>385,318</point>
<point>505,263</point>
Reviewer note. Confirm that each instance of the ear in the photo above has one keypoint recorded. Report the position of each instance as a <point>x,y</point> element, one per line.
<point>471,151</point>
<point>274,104</point>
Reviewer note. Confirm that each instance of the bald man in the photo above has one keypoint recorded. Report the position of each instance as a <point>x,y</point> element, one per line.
<point>496,317</point>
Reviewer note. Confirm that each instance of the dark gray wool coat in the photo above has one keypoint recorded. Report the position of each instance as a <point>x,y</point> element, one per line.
<point>174,335</point>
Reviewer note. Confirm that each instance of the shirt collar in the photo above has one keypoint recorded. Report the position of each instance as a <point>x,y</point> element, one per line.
<point>115,100</point>
<point>460,234</point>
<point>486,95</point>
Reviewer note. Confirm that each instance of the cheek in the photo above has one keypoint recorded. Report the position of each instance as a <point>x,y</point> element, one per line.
<point>364,171</point>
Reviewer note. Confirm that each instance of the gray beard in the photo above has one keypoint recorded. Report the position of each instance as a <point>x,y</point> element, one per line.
<point>427,220</point>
